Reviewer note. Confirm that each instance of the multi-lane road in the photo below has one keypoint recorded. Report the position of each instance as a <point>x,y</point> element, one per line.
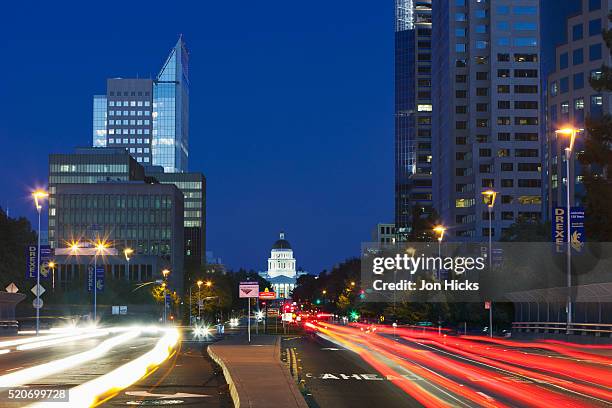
<point>365,366</point>
<point>117,366</point>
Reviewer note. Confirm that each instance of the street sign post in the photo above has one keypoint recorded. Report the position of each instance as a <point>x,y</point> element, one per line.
<point>248,290</point>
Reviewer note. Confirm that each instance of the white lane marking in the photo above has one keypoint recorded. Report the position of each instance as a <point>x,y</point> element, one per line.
<point>165,396</point>
<point>330,349</point>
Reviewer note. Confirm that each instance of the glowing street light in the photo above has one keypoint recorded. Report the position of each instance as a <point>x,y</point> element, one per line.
<point>127,252</point>
<point>39,196</point>
<point>439,229</point>
<point>208,284</point>
<point>52,266</point>
<point>570,132</point>
<point>100,247</point>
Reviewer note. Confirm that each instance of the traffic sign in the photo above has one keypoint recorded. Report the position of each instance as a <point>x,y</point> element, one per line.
<point>248,290</point>
<point>267,295</point>
<point>37,303</point>
<point>12,288</point>
<point>38,290</point>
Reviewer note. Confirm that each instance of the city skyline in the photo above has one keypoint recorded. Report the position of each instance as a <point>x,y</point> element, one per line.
<point>310,189</point>
<point>318,181</point>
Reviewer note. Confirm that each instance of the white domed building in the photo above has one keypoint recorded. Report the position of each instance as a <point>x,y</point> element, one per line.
<point>282,273</point>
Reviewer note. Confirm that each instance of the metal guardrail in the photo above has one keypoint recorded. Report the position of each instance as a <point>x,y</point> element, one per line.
<point>584,329</point>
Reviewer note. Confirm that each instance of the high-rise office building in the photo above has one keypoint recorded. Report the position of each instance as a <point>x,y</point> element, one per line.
<point>104,193</point>
<point>486,96</point>
<point>571,98</point>
<point>412,112</point>
<point>148,117</point>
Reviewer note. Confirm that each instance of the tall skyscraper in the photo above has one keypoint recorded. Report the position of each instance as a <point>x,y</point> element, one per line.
<point>148,117</point>
<point>413,108</point>
<point>570,97</point>
<point>486,95</point>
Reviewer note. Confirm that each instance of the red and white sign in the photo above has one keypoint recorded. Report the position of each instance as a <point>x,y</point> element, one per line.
<point>487,305</point>
<point>248,290</point>
<point>267,295</point>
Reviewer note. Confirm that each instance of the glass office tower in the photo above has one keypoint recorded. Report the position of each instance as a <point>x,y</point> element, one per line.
<point>486,125</point>
<point>171,112</point>
<point>413,109</point>
<point>148,117</point>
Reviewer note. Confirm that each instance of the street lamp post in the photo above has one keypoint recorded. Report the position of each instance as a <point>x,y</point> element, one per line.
<point>38,195</point>
<point>52,266</point>
<point>100,246</point>
<point>490,196</point>
<point>571,132</point>
<point>439,229</point>
<point>200,299</point>
<point>127,252</point>
<point>165,273</point>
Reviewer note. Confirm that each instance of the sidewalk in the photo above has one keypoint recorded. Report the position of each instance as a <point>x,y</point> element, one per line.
<point>255,374</point>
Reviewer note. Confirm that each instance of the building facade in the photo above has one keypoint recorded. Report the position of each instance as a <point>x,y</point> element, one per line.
<point>282,272</point>
<point>87,166</point>
<point>148,117</point>
<point>145,217</point>
<point>570,98</point>
<point>413,110</point>
<point>384,234</point>
<point>193,187</point>
<point>486,114</point>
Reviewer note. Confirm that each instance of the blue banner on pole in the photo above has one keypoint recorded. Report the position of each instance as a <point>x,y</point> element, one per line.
<point>559,228</point>
<point>559,231</point>
<point>32,261</point>
<point>99,278</point>
<point>577,237</point>
<point>46,254</point>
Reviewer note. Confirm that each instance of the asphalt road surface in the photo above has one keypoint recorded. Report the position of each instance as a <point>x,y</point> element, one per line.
<point>335,377</point>
<point>366,366</point>
<point>64,361</point>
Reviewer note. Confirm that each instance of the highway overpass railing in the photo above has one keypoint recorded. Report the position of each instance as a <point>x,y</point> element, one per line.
<point>584,329</point>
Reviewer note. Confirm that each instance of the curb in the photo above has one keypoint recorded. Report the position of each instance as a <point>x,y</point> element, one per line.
<point>239,394</point>
<point>235,387</point>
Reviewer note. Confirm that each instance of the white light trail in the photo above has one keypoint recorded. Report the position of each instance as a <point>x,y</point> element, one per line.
<point>62,340</point>
<point>92,392</point>
<point>31,374</point>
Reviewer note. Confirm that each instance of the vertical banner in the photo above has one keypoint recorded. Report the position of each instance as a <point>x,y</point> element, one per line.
<point>46,254</point>
<point>31,258</point>
<point>32,261</point>
<point>559,229</point>
<point>99,278</point>
<point>577,228</point>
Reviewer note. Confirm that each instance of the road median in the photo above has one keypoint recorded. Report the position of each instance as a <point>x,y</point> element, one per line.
<point>255,374</point>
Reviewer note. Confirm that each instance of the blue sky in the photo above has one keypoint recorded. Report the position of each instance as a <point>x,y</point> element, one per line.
<point>291,109</point>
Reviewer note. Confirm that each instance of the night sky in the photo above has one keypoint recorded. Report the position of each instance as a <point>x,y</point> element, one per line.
<point>291,109</point>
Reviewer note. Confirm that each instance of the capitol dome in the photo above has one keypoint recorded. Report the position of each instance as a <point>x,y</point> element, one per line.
<point>281,243</point>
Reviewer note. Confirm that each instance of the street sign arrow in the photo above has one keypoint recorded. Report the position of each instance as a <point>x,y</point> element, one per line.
<point>38,290</point>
